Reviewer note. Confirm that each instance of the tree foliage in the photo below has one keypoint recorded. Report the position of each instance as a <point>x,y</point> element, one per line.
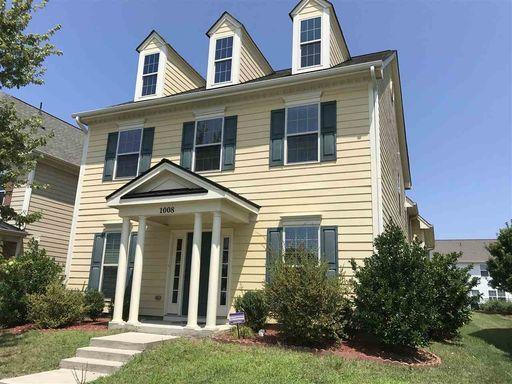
<point>500,263</point>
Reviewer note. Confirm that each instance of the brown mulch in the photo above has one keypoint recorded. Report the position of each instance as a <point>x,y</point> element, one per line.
<point>100,324</point>
<point>359,348</point>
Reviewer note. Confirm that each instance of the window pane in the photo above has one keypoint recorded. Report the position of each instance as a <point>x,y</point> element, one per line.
<point>209,131</point>
<point>302,148</point>
<point>129,141</point>
<point>127,165</point>
<point>483,270</point>
<point>207,158</point>
<point>302,119</point>
<point>310,29</point>
<point>149,85</point>
<point>224,48</point>
<point>151,63</point>
<point>223,71</point>
<point>108,287</point>
<point>300,240</point>
<point>112,244</point>
<point>310,54</point>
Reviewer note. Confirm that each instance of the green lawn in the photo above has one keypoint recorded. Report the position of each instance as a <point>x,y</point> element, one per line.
<point>483,356</point>
<point>36,351</point>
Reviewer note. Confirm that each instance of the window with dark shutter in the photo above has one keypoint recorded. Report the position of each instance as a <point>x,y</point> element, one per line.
<point>328,131</point>
<point>277,128</point>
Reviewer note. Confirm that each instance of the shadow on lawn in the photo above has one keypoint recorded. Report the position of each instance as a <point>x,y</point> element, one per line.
<point>7,341</point>
<point>501,338</point>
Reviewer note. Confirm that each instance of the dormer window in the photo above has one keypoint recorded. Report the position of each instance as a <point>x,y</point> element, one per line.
<point>310,42</point>
<point>223,59</point>
<point>150,74</point>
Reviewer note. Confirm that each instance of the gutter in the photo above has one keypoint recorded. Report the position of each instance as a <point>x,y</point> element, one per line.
<point>234,89</point>
<point>76,207</point>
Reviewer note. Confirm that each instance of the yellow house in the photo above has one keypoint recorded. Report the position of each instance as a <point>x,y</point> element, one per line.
<point>188,192</point>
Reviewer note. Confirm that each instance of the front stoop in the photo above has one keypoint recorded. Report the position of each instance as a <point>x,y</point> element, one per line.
<point>104,356</point>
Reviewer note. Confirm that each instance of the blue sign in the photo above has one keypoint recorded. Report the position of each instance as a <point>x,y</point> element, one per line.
<point>236,318</point>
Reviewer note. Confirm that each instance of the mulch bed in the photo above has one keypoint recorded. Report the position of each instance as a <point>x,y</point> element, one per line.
<point>100,324</point>
<point>359,348</point>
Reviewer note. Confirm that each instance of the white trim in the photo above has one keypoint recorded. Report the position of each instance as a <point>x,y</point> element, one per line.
<point>162,62</point>
<point>209,113</point>
<point>28,191</point>
<point>302,99</point>
<point>124,128</point>
<point>301,220</point>
<point>236,33</point>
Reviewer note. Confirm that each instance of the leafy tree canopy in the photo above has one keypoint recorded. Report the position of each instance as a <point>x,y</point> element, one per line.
<point>500,263</point>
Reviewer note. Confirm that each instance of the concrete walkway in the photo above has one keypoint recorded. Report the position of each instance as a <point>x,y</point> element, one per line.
<point>104,356</point>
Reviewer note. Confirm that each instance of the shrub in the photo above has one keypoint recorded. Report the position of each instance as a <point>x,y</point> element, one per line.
<point>392,291</point>
<point>495,306</point>
<point>27,274</point>
<point>94,303</point>
<point>245,332</point>
<point>309,306</point>
<point>452,300</point>
<point>56,307</point>
<point>254,305</point>
<point>500,263</point>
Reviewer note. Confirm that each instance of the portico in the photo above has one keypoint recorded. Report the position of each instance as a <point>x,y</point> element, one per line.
<point>199,216</point>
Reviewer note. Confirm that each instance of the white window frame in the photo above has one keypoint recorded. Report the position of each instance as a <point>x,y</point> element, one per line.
<point>310,42</point>
<point>484,269</point>
<point>150,74</point>
<point>491,298</point>
<point>162,62</point>
<point>128,153</point>
<point>215,61</point>
<point>301,134</point>
<point>103,265</point>
<point>208,145</point>
<point>235,58</point>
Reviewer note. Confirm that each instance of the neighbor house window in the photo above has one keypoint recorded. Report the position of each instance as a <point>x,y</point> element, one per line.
<point>110,261</point>
<point>208,144</point>
<point>492,295</point>
<point>223,59</point>
<point>501,295</point>
<point>474,293</point>
<point>300,241</point>
<point>483,270</point>
<point>150,74</point>
<point>128,151</point>
<point>310,42</point>
<point>302,137</point>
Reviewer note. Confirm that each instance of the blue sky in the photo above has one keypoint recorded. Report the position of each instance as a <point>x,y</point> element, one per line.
<point>455,61</point>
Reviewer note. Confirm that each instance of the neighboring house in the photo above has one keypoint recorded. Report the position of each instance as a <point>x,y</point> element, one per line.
<point>191,190</point>
<point>475,253</point>
<point>58,169</point>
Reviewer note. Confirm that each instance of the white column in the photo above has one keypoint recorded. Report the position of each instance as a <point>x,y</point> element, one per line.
<point>121,272</point>
<point>133,318</point>
<point>195,266</point>
<point>213,279</point>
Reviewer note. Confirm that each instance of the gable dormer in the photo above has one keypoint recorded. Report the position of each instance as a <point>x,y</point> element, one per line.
<point>162,71</point>
<point>233,56</point>
<point>318,41</point>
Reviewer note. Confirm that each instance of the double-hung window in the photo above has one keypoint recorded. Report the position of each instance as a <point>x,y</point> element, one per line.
<point>310,42</point>
<point>492,295</point>
<point>128,151</point>
<point>223,59</point>
<point>150,74</point>
<point>208,144</point>
<point>501,295</point>
<point>302,138</point>
<point>300,242</point>
<point>483,270</point>
<point>109,265</point>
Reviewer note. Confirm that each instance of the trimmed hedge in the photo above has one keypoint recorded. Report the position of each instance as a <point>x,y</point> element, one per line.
<point>495,306</point>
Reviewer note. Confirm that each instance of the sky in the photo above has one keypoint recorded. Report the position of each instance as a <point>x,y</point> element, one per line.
<point>456,71</point>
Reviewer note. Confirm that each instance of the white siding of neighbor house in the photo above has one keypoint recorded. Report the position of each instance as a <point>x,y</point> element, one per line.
<point>484,282</point>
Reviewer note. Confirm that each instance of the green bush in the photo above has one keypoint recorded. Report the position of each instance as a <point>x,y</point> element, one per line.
<point>254,305</point>
<point>27,274</point>
<point>393,294</point>
<point>94,303</point>
<point>495,306</point>
<point>56,307</point>
<point>452,300</point>
<point>309,306</point>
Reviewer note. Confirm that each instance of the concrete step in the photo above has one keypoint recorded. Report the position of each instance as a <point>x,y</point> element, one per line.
<point>57,376</point>
<point>90,365</point>
<point>130,341</point>
<point>111,354</point>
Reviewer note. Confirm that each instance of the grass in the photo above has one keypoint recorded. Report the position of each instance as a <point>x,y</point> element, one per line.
<point>484,355</point>
<point>36,351</point>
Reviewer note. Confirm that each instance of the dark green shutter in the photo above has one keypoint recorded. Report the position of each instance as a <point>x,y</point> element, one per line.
<point>110,156</point>
<point>229,143</point>
<point>187,144</point>
<point>329,240</point>
<point>96,261</point>
<point>146,150</point>
<point>328,131</point>
<point>277,121</point>
<point>274,248</point>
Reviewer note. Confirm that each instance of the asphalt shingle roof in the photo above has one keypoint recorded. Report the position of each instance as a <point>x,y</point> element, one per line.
<point>473,250</point>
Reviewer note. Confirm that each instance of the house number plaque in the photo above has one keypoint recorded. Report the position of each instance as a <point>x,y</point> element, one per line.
<point>167,209</point>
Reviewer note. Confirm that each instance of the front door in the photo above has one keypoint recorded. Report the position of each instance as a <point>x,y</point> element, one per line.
<point>206,243</point>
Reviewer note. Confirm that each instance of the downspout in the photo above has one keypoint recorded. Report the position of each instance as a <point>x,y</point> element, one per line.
<point>378,224</point>
<point>76,207</point>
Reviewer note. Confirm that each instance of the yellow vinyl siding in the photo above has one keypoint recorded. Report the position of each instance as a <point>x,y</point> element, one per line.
<point>340,191</point>
<point>391,166</point>
<point>335,54</point>
<point>56,203</point>
<point>252,64</point>
<point>311,9</point>
<point>18,194</point>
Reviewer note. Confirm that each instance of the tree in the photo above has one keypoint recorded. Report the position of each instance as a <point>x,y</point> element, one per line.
<point>21,63</point>
<point>500,263</point>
